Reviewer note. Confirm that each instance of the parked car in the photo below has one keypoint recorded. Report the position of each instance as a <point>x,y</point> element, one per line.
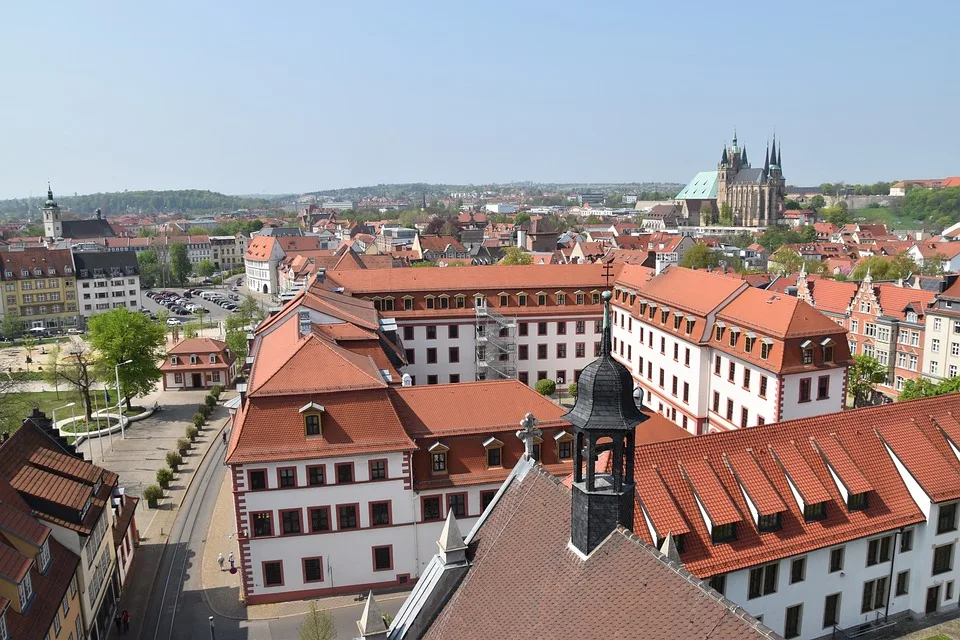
<point>173,322</point>
<point>74,332</point>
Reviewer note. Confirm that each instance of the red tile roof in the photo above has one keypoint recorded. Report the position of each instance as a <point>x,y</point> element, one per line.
<point>440,243</point>
<point>14,262</point>
<point>896,301</point>
<point>198,345</point>
<point>852,443</point>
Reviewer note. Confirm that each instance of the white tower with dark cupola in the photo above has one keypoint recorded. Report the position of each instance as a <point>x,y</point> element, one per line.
<point>52,219</point>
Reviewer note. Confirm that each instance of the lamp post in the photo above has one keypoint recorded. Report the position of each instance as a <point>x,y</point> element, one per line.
<point>559,391</point>
<point>57,409</point>
<point>116,370</point>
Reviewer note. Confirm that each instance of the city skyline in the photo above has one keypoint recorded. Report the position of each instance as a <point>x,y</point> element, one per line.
<point>240,99</point>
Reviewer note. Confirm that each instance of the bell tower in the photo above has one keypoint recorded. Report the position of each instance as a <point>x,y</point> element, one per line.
<point>604,418</point>
<point>52,222</point>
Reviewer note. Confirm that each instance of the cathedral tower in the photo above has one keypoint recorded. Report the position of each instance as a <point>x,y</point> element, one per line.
<point>604,419</point>
<point>52,222</point>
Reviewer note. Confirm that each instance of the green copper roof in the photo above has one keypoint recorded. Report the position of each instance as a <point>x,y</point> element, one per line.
<point>702,187</point>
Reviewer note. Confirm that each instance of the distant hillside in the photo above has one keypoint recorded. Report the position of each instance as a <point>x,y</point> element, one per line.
<point>414,190</point>
<point>146,202</point>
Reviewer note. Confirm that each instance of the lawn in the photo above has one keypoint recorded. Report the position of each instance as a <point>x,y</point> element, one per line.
<point>22,405</point>
<point>939,636</point>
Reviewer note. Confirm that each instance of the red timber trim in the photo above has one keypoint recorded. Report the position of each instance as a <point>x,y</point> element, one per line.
<point>303,594</point>
<point>407,471</point>
<point>242,520</point>
<point>843,394</point>
<point>778,406</point>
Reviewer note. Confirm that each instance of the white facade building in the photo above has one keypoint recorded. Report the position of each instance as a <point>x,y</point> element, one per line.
<point>106,281</point>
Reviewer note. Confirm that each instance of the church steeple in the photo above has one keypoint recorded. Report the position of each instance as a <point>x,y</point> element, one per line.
<point>605,410</point>
<point>773,152</point>
<point>766,162</point>
<point>779,152</point>
<point>744,160</point>
<point>52,223</point>
<point>724,159</point>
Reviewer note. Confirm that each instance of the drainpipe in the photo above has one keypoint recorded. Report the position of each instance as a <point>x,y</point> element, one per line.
<point>893,558</point>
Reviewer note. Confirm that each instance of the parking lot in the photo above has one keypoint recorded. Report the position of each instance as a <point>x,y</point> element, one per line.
<point>215,313</point>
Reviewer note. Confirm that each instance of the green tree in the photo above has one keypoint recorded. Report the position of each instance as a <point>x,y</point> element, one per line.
<point>545,387</point>
<point>791,205</point>
<point>250,310</point>
<point>726,216</point>
<point>919,388</point>
<point>423,264</point>
<point>205,268</point>
<point>835,215</point>
<point>29,346</point>
<point>826,188</point>
<point>933,266</point>
<point>236,335</point>
<point>521,218</point>
<point>149,266</point>
<point>77,369</point>
<point>50,374</point>
<point>706,214</point>
<point>808,234</point>
<point>789,260</point>
<point>11,326</point>
<point>121,335</point>
<point>883,268</point>
<point>864,376</point>
<point>317,625</point>
<point>516,255</point>
<point>817,202</point>
<point>179,262</point>
<point>699,256</point>
<point>196,231</point>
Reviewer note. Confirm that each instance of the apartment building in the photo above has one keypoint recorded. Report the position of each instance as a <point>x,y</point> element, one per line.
<point>226,252</point>
<point>712,353</point>
<point>72,498</point>
<point>830,522</point>
<point>488,322</point>
<point>941,343</point>
<point>105,281</point>
<point>265,253</point>
<point>39,287</point>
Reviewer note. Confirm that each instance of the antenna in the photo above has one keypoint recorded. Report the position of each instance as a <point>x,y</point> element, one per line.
<point>608,272</point>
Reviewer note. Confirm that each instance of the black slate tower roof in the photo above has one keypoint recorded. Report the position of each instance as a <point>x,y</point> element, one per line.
<point>605,390</point>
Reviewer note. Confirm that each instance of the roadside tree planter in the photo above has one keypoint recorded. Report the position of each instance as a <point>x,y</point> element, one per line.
<point>183,445</point>
<point>164,476</point>
<point>198,421</point>
<point>153,493</point>
<point>192,433</point>
<point>210,401</point>
<point>174,459</point>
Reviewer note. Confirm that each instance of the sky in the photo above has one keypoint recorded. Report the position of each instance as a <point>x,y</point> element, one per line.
<point>287,97</point>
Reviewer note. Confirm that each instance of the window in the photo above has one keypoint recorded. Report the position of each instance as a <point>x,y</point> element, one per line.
<point>763,581</point>
<point>431,355</point>
<point>676,350</point>
<point>878,550</point>
<point>686,392</point>
<point>319,519</point>
<point>347,516</point>
<point>565,449</point>
<point>523,352</point>
<point>561,328</point>
<point>746,378</point>
<point>906,541</point>
<point>798,570</point>
<point>494,456</point>
<point>431,332</point>
<point>524,377</point>
<point>258,480</point>
<point>948,592</point>
<point>541,328</point>
<point>562,350</point>
<point>857,502</point>
<point>454,354</point>
<point>686,357</point>
<point>791,625</point>
<point>815,511</point>
<point>716,365</point>
<point>716,402</point>
<point>273,573</point>
<point>433,379</point>
<point>661,378</point>
<point>439,459</point>
<point>344,472</point>
<point>580,349</point>
<point>411,355</point>
<point>312,422</point>
<point>943,559</point>
<point>903,583</point>
<point>836,559</point>
<point>541,352</point>
<point>522,329</point>
<point>744,417</point>
<point>457,502</point>
<point>313,570</point>
<point>831,610</point>
<point>541,299</point>
<point>733,337</point>
<point>765,350</point>
<point>486,497</point>
<point>947,518</point>
<point>290,521</point>
<point>383,558</point>
<point>723,533</point>
<point>823,387</point>
<point>453,331</point>
<point>378,469</point>
<point>379,514</point>
<point>431,508</point>
<point>674,386</point>
<point>874,595</point>
<point>663,345</point>
<point>804,395</point>
<point>580,327</point>
<point>719,583</point>
<point>729,409</point>
<point>262,524</point>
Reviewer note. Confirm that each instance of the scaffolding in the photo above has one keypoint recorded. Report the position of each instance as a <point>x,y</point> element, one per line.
<point>496,353</point>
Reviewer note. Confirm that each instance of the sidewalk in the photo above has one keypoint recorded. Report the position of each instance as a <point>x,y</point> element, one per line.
<point>136,459</point>
<point>222,589</point>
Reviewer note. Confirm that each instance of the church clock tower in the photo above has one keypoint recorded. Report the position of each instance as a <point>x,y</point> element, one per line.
<point>604,418</point>
<point>52,221</point>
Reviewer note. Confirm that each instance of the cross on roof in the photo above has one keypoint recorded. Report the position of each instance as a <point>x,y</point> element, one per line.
<point>607,271</point>
<point>527,433</point>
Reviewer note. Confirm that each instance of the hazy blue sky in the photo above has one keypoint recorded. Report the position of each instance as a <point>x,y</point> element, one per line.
<point>246,97</point>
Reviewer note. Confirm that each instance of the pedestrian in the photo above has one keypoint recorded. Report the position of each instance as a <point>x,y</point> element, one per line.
<point>118,619</point>
<point>224,437</point>
<point>220,561</point>
<point>230,558</point>
<point>126,621</point>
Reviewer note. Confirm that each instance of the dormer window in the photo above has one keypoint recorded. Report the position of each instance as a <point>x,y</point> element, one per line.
<point>8,274</point>
<point>561,298</point>
<point>765,348</point>
<point>461,301</point>
<point>43,562</point>
<point>595,296</point>
<point>677,319</point>
<point>478,301</point>
<point>690,323</point>
<point>643,307</point>
<point>723,533</point>
<point>68,269</point>
<point>857,502</point>
<point>24,272</point>
<point>213,358</point>
<point>444,301</point>
<point>541,299</point>
<point>749,341</point>
<point>815,512</point>
<point>522,299</point>
<point>807,349</point>
<point>193,358</point>
<point>407,303</point>
<point>734,334</point>
<point>911,316</point>
<point>25,592</point>
<point>664,312</point>
<point>564,442</point>
<point>85,509</point>
<point>311,413</point>
<point>431,302</point>
<point>37,271</point>
<point>494,450</point>
<point>827,350</point>
<point>504,299</point>
<point>438,458</point>
<point>51,271</point>
<point>718,332</point>
<point>174,360</point>
<point>769,523</point>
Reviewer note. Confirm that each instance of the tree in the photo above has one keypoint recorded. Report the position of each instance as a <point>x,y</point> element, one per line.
<point>546,387</point>
<point>699,256</point>
<point>791,205</point>
<point>726,216</point>
<point>149,266</point>
<point>317,625</point>
<point>817,202</point>
<point>516,255</point>
<point>933,266</point>
<point>50,375</point>
<point>521,218</point>
<point>12,327</point>
<point>205,268</point>
<point>29,346</point>
<point>236,336</point>
<point>808,234</point>
<point>121,335</point>
<point>250,310</point>
<point>924,388</point>
<point>788,259</point>
<point>179,262</point>
<point>864,376</point>
<point>196,231</point>
<point>78,370</point>
<point>12,405</point>
<point>706,214</point>
<point>835,215</point>
<point>883,268</point>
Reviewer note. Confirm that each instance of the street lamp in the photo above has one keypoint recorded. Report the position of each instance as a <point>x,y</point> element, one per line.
<point>57,409</point>
<point>116,370</point>
<point>560,391</point>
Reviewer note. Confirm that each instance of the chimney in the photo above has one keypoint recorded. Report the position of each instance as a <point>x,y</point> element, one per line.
<point>321,274</point>
<point>791,291</point>
<point>406,380</point>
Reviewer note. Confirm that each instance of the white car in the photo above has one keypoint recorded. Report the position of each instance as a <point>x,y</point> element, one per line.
<point>173,322</point>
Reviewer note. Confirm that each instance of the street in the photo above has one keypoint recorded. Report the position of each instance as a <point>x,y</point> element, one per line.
<point>177,604</point>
